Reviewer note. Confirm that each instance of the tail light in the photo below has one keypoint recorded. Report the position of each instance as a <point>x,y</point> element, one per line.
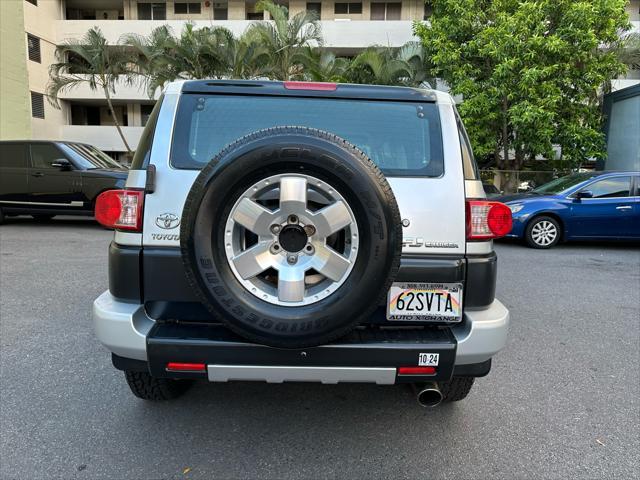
<point>186,367</point>
<point>487,220</point>
<point>120,209</point>
<point>322,86</point>
<point>416,370</point>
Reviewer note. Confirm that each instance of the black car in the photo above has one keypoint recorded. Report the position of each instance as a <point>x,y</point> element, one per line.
<point>48,178</point>
<point>491,190</point>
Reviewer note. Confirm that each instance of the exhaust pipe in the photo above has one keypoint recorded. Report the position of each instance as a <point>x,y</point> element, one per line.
<point>428,394</point>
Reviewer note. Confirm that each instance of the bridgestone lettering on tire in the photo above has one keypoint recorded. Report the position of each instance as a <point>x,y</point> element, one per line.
<point>291,237</point>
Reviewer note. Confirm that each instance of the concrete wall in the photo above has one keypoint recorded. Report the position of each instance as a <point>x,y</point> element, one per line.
<point>41,21</point>
<point>15,106</point>
<point>337,34</point>
<point>633,9</point>
<point>237,9</point>
<point>105,138</point>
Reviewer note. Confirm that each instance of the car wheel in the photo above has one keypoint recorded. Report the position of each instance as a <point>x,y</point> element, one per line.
<point>291,237</point>
<point>42,217</point>
<point>146,387</point>
<point>456,389</point>
<point>543,232</point>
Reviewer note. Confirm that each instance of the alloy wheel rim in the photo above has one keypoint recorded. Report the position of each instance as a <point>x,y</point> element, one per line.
<point>544,233</point>
<point>291,239</point>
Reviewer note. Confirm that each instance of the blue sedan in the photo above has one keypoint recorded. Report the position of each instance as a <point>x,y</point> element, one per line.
<point>581,206</point>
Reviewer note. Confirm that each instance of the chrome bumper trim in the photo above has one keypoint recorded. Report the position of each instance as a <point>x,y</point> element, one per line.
<point>279,374</point>
<point>482,334</point>
<point>121,327</point>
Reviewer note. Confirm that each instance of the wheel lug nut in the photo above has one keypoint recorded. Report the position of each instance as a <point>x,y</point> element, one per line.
<point>275,248</point>
<point>310,230</point>
<point>275,228</point>
<point>292,219</point>
<point>292,259</point>
<point>309,249</point>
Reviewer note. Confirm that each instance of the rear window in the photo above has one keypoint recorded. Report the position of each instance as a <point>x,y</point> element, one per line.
<point>402,138</point>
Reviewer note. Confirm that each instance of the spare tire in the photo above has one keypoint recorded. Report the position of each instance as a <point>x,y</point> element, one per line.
<point>291,237</point>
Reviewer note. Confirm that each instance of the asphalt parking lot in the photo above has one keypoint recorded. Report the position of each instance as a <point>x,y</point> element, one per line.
<point>562,401</point>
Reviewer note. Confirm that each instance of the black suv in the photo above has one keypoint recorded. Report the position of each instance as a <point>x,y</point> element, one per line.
<point>48,178</point>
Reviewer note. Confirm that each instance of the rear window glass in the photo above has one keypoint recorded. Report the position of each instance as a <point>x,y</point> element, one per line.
<point>402,138</point>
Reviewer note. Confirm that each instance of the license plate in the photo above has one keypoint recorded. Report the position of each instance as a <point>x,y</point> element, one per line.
<point>425,302</point>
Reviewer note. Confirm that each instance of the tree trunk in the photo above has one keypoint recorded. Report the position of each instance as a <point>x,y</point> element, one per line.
<point>505,133</point>
<point>115,119</point>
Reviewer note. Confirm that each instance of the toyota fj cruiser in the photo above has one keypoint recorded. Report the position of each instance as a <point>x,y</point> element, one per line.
<point>296,231</point>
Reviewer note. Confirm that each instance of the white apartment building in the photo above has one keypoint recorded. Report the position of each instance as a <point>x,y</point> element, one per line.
<point>33,28</point>
<point>347,28</point>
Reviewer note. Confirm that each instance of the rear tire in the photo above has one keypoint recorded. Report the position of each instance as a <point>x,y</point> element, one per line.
<point>42,217</point>
<point>353,201</point>
<point>543,232</point>
<point>146,387</point>
<point>456,389</point>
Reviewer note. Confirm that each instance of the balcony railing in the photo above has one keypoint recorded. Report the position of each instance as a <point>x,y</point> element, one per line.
<point>104,137</point>
<point>124,92</point>
<point>337,34</point>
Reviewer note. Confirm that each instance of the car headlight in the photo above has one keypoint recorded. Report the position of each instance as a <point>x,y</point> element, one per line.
<point>516,208</point>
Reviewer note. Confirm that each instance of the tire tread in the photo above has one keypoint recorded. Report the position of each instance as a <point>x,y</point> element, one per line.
<point>456,389</point>
<point>146,387</point>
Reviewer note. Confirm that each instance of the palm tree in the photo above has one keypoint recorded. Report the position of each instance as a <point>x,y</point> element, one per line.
<point>153,56</point>
<point>92,61</point>
<point>284,40</point>
<point>391,66</point>
<point>323,66</point>
<point>247,58</point>
<point>197,53</point>
<point>627,51</point>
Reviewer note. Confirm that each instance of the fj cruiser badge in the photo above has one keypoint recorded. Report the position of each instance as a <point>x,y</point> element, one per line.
<point>167,221</point>
<point>419,242</point>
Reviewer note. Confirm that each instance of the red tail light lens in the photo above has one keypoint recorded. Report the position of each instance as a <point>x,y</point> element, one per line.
<point>325,87</point>
<point>487,220</point>
<point>120,209</point>
<point>416,370</point>
<point>186,367</point>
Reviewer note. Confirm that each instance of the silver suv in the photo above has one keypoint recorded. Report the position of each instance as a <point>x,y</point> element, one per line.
<point>295,231</point>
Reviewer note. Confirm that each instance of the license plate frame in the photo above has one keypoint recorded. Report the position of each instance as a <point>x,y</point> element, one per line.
<point>431,302</point>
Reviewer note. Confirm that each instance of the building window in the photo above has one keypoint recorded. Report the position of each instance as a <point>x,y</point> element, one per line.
<point>184,8</point>
<point>347,8</point>
<point>145,113</point>
<point>33,2</point>
<point>33,47</point>
<point>37,105</point>
<point>152,11</point>
<point>220,11</point>
<point>255,16</point>
<point>428,11</point>
<point>315,7</point>
<point>81,14</point>
<point>386,11</point>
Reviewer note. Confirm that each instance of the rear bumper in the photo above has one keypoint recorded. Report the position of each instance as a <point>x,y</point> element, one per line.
<point>156,277</point>
<point>365,355</point>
